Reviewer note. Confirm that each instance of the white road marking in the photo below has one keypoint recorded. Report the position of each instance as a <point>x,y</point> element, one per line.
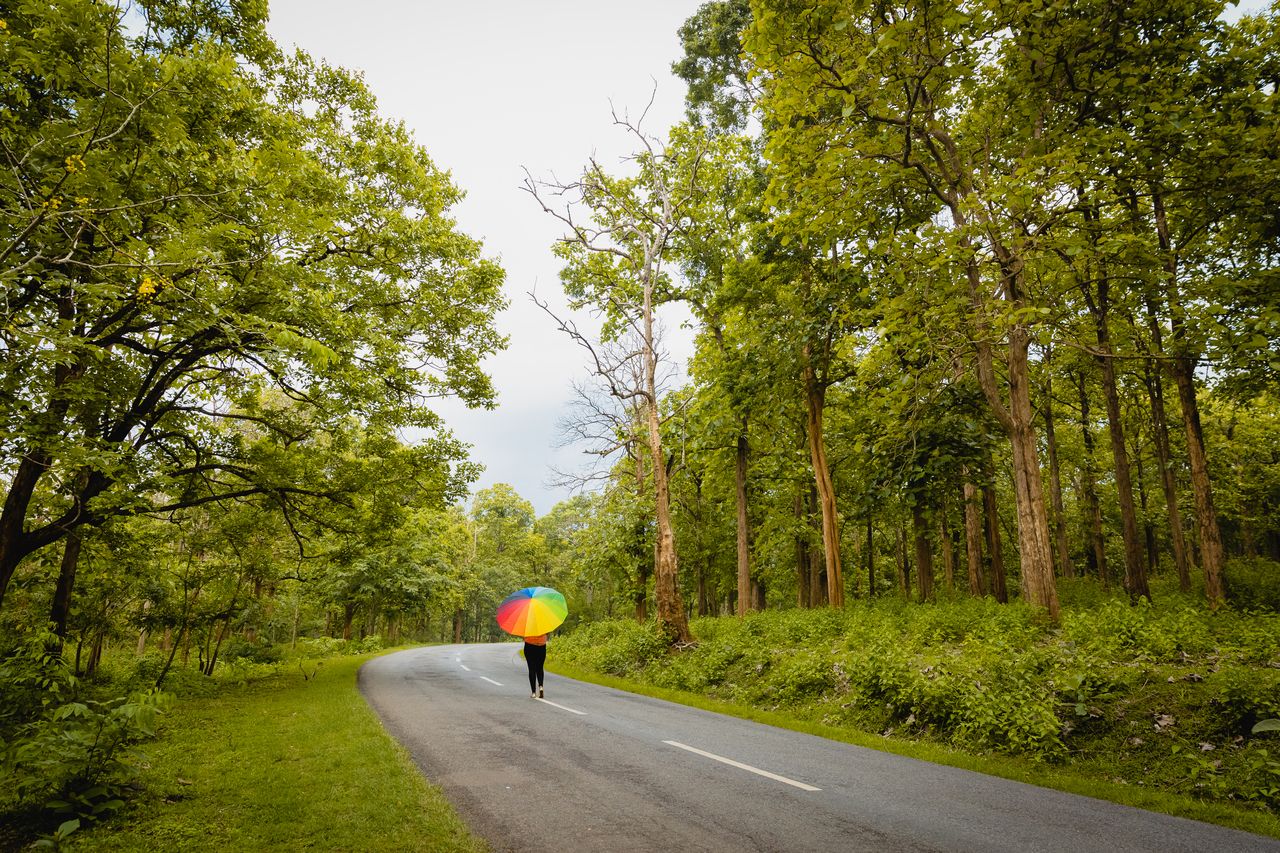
<point>464,666</point>
<point>491,681</point>
<point>562,708</point>
<point>765,773</point>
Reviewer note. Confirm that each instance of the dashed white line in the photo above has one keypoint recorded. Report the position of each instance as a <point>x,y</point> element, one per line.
<point>464,666</point>
<point>562,707</point>
<point>756,770</point>
<point>491,681</point>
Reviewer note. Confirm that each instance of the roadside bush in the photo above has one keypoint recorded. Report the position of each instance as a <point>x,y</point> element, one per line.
<point>615,646</point>
<point>63,755</point>
<point>238,648</point>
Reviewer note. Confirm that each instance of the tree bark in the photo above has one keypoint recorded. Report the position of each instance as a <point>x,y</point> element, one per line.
<point>1135,575</point>
<point>948,551</point>
<point>744,531</point>
<point>1211,557</point>
<point>815,400</point>
<point>671,613</point>
<point>973,540</point>
<point>61,607</point>
<point>803,570</point>
<point>1055,487</point>
<point>817,569</point>
<point>996,575</point>
<point>1089,489</point>
<point>1168,481</point>
<point>903,564</point>
<point>924,552</point>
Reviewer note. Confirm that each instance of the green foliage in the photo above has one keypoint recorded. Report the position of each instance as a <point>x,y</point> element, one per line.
<point>76,759</point>
<point>1112,690</point>
<point>61,752</point>
<point>1252,583</point>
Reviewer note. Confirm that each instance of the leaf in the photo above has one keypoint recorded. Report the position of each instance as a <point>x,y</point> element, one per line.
<point>1270,725</point>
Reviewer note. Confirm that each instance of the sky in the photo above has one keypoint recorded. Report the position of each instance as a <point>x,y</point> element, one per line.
<point>489,87</point>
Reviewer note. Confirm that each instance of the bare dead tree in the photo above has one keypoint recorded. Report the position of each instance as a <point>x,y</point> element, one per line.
<point>618,232</point>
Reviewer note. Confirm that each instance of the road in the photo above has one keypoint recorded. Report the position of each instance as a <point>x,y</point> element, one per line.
<point>590,768</point>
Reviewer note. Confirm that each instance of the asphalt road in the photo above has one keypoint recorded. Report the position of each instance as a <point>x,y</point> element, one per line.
<point>595,769</point>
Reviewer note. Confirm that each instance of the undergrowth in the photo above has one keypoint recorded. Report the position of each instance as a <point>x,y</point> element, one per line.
<point>1163,696</point>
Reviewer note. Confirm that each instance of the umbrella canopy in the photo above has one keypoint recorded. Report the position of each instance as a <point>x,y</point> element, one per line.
<point>532,611</point>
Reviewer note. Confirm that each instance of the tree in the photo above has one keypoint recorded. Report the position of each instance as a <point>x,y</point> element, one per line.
<point>190,217</point>
<point>615,262</point>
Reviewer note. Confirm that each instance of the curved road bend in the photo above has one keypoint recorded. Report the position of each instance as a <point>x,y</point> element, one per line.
<point>595,769</point>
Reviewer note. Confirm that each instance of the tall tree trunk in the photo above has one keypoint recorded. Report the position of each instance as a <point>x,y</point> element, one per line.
<point>973,540</point>
<point>457,625</point>
<point>1168,481</point>
<point>996,577</point>
<point>903,564</point>
<point>803,570</point>
<point>1135,575</point>
<point>948,552</point>
<point>924,553</point>
<point>815,400</point>
<point>61,607</point>
<point>1211,557</point>
<point>1093,509</point>
<point>1055,487</point>
<point>1038,585</point>
<point>744,531</point>
<point>671,613</point>
<point>817,568</point>
<point>1148,529</point>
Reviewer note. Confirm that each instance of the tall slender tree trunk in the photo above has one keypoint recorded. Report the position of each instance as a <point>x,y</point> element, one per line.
<point>1211,556</point>
<point>1168,480</point>
<point>817,568</point>
<point>61,606</point>
<point>671,613</point>
<point>1148,529</point>
<point>815,400</point>
<point>744,530</point>
<point>996,577</point>
<point>903,563</point>
<point>973,540</point>
<point>1055,487</point>
<point>1135,575</point>
<point>1093,510</point>
<point>1038,585</point>
<point>924,552</point>
<point>803,581</point>
<point>948,552</point>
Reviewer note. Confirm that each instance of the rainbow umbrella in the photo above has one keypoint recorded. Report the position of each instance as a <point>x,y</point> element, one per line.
<point>532,611</point>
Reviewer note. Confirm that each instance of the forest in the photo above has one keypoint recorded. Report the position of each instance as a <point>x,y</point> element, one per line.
<point>987,305</point>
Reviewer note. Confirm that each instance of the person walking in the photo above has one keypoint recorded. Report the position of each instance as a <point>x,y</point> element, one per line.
<point>535,655</point>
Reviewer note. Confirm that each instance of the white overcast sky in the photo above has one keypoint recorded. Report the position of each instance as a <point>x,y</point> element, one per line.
<point>488,87</point>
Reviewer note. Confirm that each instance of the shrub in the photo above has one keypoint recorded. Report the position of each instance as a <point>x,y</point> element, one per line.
<point>1252,583</point>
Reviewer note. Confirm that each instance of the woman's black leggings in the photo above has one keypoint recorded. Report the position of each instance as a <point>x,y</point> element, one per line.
<point>535,656</point>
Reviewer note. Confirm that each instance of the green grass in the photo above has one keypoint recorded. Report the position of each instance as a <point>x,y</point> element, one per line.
<point>282,764</point>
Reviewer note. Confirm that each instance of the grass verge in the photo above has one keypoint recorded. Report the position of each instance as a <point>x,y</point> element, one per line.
<point>1004,766</point>
<point>282,764</point>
